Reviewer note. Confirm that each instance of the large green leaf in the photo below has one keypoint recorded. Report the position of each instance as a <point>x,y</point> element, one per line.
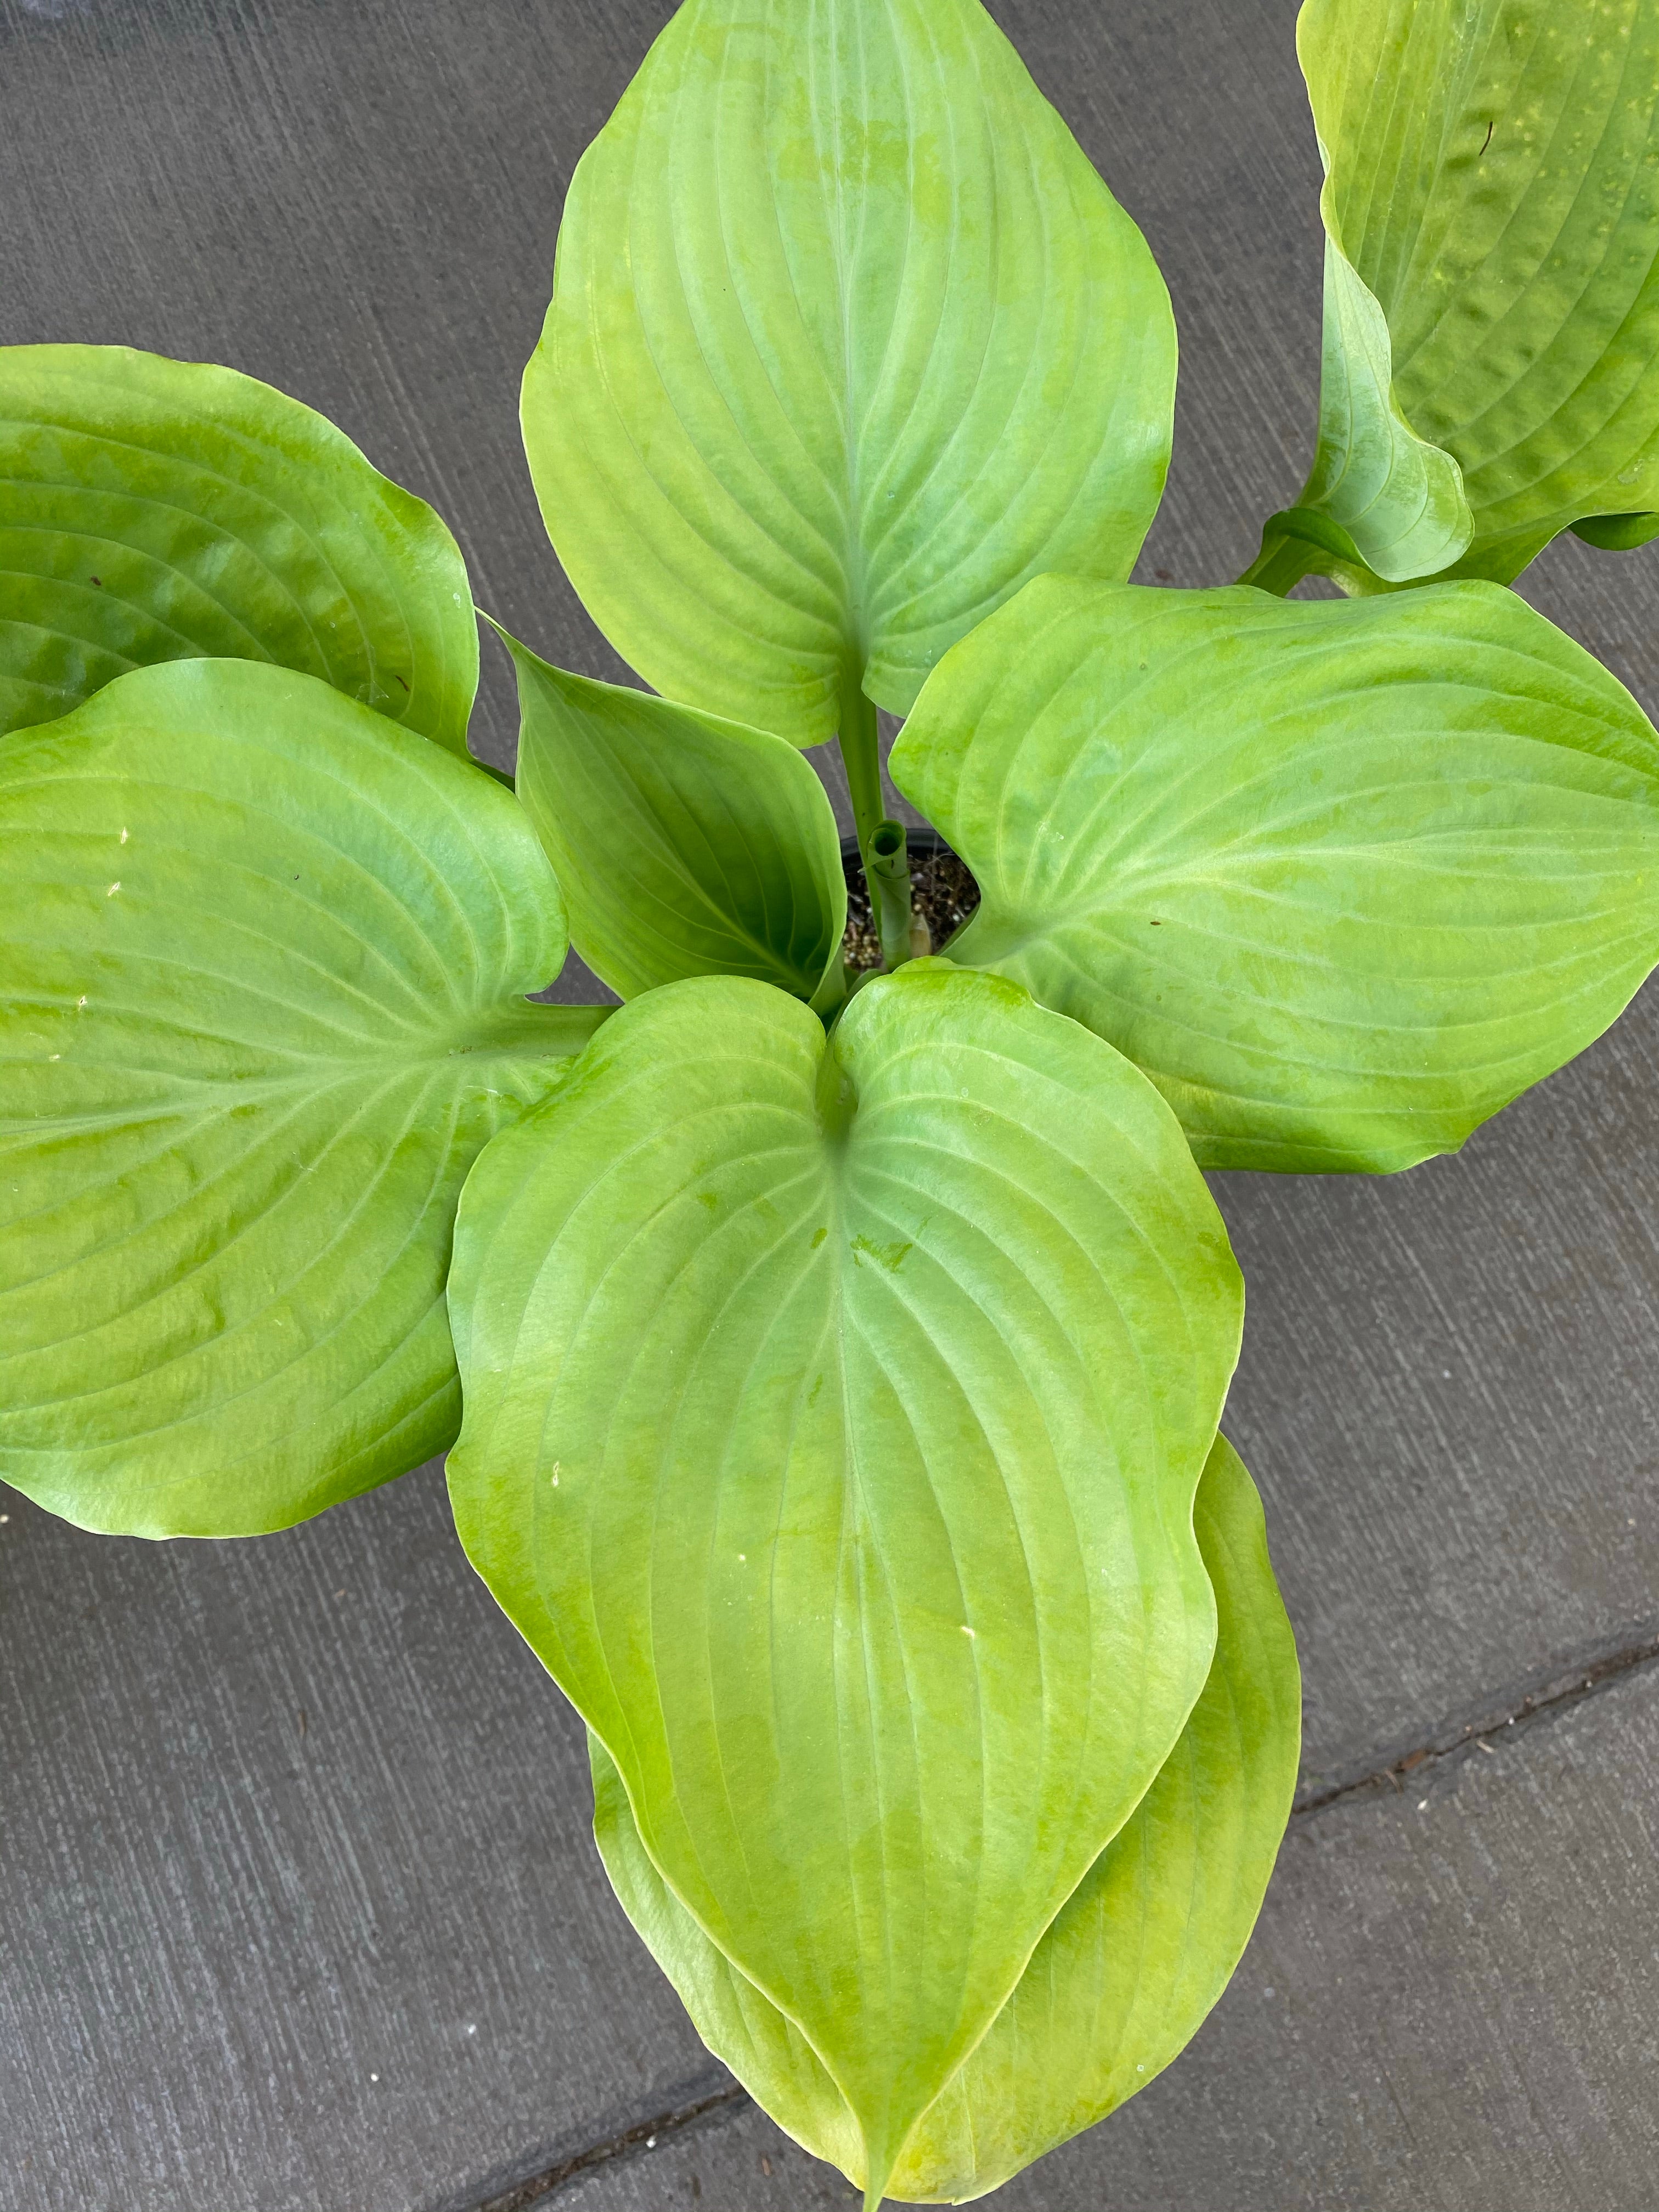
<point>1344,878</point>
<point>683,845</point>
<point>262,964</point>
<point>1137,1955</point>
<point>833,1418</point>
<point>155,510</point>
<point>1492,299</point>
<point>847,340</point>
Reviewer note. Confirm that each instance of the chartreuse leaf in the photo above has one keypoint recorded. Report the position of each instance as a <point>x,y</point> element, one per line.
<point>261,1002</point>
<point>156,510</point>
<point>1343,878</point>
<point>847,340</point>
<point>1135,1958</point>
<point>683,845</point>
<point>1492,299</point>
<point>833,1414</point>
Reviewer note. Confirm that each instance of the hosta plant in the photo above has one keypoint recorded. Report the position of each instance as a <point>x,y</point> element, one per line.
<point>833,1361</point>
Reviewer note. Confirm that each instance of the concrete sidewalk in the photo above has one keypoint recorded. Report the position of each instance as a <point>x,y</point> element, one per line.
<point>302,1913</point>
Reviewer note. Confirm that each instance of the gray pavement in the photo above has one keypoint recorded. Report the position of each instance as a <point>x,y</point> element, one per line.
<point>300,1911</point>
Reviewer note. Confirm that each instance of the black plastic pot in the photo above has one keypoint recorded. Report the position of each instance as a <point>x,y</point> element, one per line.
<point>945,905</point>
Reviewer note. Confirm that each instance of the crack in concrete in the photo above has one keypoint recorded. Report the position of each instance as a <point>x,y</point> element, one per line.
<point>644,2136</point>
<point>1563,1687</point>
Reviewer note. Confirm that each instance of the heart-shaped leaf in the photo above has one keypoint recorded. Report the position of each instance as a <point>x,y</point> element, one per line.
<point>1135,1958</point>
<point>1492,300</point>
<point>262,964</point>
<point>156,510</point>
<point>847,341</point>
<point>1343,878</point>
<point>832,1417</point>
<point>683,845</point>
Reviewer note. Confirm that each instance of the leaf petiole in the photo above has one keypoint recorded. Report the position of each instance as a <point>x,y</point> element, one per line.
<point>1301,542</point>
<point>887,867</point>
<point>861,757</point>
<point>1280,565</point>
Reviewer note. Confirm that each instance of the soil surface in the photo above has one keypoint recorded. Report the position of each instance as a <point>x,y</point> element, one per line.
<point>942,890</point>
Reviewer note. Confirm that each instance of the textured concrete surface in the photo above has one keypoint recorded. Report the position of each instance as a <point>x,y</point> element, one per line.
<point>301,1914</point>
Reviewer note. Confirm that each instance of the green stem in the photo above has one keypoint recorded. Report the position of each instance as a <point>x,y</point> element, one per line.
<point>887,870</point>
<point>1283,562</point>
<point>861,755</point>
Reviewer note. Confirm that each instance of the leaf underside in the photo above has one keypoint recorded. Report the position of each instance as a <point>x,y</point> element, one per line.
<point>261,1003</point>
<point>1491,307</point>
<point>156,510</point>
<point>832,1420</point>
<point>847,340</point>
<point>683,845</point>
<point>1344,878</point>
<point>1129,1967</point>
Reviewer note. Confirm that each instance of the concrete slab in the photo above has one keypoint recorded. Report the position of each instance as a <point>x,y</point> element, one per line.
<point>302,1908</point>
<point>1448,1396</point>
